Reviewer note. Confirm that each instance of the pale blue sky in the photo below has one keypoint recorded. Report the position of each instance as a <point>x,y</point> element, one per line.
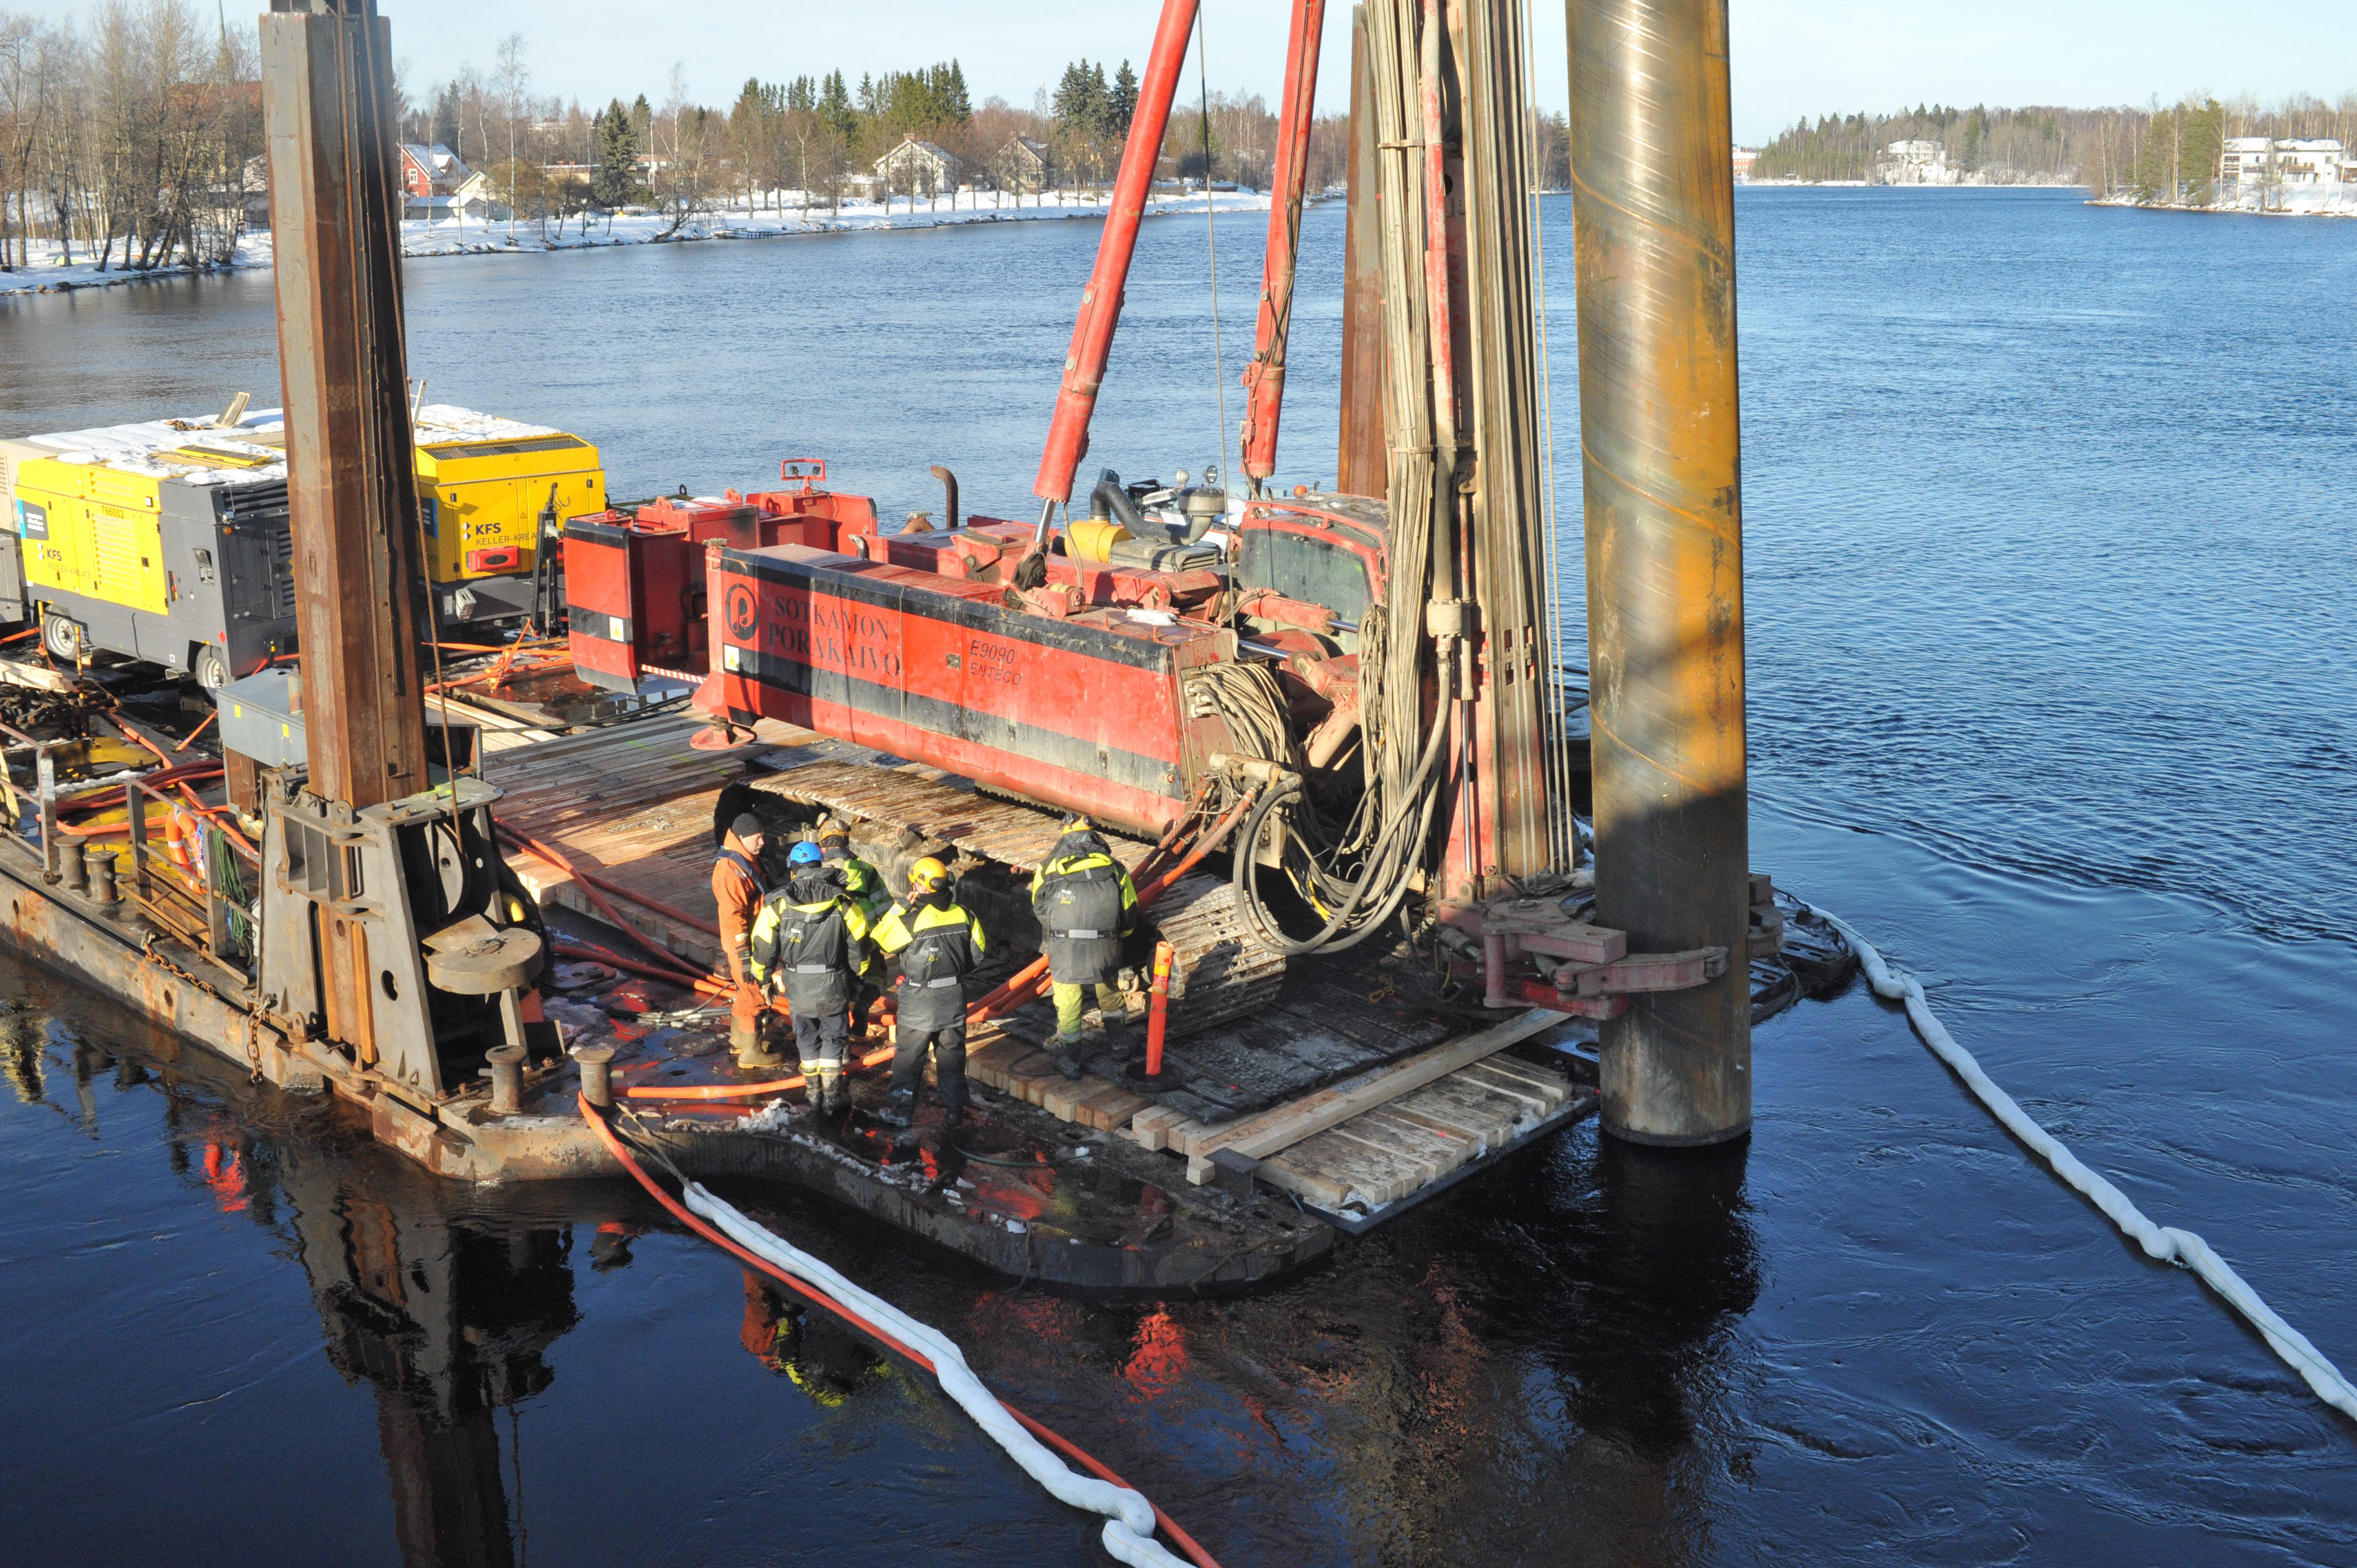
<point>1792,57</point>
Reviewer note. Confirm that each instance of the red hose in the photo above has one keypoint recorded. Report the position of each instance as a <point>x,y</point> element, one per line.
<point>687,1217</point>
<point>684,975</point>
<point>530,845</point>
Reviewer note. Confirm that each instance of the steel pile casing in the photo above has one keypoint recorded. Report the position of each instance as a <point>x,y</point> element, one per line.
<point>1653,211</point>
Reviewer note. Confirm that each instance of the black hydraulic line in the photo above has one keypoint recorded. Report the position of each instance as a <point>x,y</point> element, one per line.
<point>1243,874</point>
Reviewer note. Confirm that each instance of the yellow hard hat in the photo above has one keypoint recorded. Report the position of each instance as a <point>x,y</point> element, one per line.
<point>928,873</point>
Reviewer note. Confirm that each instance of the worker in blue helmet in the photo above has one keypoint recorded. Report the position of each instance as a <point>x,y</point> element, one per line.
<point>811,940</point>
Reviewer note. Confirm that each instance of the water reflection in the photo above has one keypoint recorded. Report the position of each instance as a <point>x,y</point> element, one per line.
<point>448,1319</point>
<point>445,1311</point>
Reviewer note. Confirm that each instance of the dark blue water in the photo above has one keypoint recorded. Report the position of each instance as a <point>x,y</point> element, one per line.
<point>2049,531</point>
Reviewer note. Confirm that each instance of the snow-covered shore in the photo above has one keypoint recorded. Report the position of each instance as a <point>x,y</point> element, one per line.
<point>419,238</point>
<point>2285,201</point>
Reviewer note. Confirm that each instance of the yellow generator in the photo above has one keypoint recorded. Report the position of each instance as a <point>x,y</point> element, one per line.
<point>168,541</point>
<point>490,492</point>
<point>158,543</point>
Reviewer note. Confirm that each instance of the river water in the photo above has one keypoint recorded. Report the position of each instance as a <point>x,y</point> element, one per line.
<point>2052,572</point>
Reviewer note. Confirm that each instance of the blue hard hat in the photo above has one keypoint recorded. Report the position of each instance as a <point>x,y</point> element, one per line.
<point>803,854</point>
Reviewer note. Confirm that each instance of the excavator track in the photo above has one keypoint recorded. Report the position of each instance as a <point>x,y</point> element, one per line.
<point>1220,970</point>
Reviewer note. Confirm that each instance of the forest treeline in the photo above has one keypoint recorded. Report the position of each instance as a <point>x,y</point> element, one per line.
<point>131,135</point>
<point>2161,153</point>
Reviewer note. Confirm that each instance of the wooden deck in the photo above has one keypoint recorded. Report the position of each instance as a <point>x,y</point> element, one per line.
<point>1346,1094</point>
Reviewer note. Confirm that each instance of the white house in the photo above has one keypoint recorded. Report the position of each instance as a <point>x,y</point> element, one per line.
<point>1021,165</point>
<point>918,167</point>
<point>2288,161</point>
<point>1916,162</point>
<point>2309,162</point>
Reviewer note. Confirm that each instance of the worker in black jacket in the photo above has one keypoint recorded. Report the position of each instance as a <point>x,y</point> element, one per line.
<point>811,941</point>
<point>1086,904</point>
<point>939,944</point>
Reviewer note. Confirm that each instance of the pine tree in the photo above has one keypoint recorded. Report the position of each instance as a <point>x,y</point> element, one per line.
<point>1124,98</point>
<point>614,180</point>
<point>955,106</point>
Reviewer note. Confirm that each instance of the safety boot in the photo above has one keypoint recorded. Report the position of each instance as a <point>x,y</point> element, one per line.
<point>753,1055</point>
<point>833,1096</point>
<point>1067,1063</point>
<point>899,1108</point>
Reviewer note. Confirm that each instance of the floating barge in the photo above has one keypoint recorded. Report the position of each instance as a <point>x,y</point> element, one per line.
<point>1346,1100</point>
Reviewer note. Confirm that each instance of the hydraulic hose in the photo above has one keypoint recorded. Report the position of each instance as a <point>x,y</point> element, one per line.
<point>1245,878</point>
<point>1132,1518</point>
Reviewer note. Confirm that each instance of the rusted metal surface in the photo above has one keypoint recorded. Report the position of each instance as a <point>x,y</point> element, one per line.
<point>1265,377</point>
<point>335,213</point>
<point>1359,465</point>
<point>1654,224</point>
<point>1068,433</point>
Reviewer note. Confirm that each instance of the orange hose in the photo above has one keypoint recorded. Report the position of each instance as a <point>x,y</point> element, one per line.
<point>197,731</point>
<point>530,845</point>
<point>695,1222</point>
<point>161,755</point>
<point>663,955</point>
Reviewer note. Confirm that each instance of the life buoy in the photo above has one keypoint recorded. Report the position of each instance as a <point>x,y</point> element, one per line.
<point>182,831</point>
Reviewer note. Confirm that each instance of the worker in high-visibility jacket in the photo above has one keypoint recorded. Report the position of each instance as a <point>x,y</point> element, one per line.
<point>739,884</point>
<point>1086,904</point>
<point>939,944</point>
<point>868,889</point>
<point>811,941</point>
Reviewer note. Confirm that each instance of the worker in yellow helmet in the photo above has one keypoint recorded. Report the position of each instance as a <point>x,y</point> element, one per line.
<point>939,944</point>
<point>1086,904</point>
<point>811,940</point>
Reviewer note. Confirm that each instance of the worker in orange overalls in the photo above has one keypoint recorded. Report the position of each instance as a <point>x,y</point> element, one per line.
<point>739,885</point>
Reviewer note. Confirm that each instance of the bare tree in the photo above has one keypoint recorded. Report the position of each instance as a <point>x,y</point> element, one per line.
<point>513,76</point>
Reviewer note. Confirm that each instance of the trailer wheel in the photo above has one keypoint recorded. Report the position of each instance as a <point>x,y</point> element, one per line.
<point>61,635</point>
<point>210,668</point>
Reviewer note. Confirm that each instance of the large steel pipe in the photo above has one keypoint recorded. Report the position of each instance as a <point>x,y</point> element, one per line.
<point>1654,214</point>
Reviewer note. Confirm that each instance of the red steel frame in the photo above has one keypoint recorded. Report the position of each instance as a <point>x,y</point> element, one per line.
<point>1265,377</point>
<point>1067,433</point>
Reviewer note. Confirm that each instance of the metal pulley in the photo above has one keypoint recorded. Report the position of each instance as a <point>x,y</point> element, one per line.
<point>475,958</point>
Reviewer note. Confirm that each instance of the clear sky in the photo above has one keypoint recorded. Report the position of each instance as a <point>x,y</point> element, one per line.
<point>1792,57</point>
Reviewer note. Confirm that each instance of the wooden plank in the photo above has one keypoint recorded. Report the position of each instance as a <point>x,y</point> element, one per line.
<point>1112,1107</point>
<point>1263,1135</point>
<point>1311,1185</point>
<point>1425,1162</point>
<point>1536,1077</point>
<point>1151,1127</point>
<point>1371,1176</point>
<point>1470,1105</point>
<point>1025,1076</point>
<point>1449,1146</point>
<point>1062,1098</point>
<point>1538,1096</point>
<point>1437,1117</point>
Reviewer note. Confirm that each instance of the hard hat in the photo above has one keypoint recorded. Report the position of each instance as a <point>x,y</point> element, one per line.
<point>803,855</point>
<point>833,832</point>
<point>1077,822</point>
<point>928,873</point>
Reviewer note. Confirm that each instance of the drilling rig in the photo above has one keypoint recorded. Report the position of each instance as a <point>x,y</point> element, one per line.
<point>1364,685</point>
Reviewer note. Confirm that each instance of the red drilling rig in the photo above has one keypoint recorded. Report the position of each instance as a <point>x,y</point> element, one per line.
<point>1363,688</point>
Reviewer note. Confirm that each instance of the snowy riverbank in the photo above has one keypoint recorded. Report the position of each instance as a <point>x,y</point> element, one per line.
<point>420,238</point>
<point>2285,201</point>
